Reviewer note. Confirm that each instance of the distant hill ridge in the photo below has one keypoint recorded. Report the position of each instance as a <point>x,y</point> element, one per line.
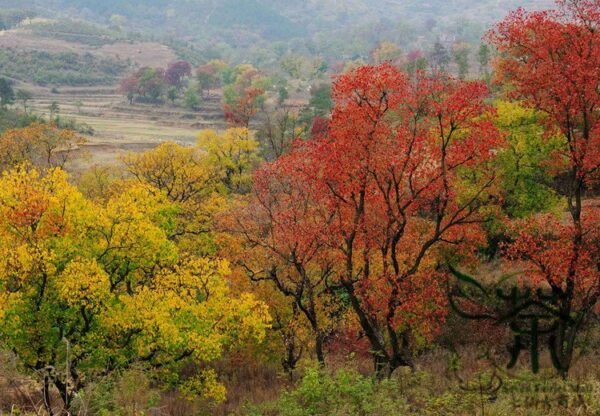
<point>271,19</point>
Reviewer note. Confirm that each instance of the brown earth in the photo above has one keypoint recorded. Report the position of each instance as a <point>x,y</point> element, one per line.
<point>140,53</point>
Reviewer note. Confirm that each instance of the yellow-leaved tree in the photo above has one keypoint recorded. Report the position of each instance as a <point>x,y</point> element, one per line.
<point>234,153</point>
<point>189,179</point>
<point>103,281</point>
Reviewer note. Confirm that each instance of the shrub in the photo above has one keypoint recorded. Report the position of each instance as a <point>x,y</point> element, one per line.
<point>345,393</point>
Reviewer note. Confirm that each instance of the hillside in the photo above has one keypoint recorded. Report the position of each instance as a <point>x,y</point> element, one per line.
<point>242,21</point>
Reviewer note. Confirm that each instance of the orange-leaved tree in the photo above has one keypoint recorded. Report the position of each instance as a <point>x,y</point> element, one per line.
<point>43,145</point>
<point>395,182</point>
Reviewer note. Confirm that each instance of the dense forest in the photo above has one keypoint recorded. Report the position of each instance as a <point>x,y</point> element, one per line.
<point>282,208</point>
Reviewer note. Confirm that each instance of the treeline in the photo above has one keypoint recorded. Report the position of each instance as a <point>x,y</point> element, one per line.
<point>59,68</point>
<point>81,32</point>
<point>10,18</point>
<point>243,87</point>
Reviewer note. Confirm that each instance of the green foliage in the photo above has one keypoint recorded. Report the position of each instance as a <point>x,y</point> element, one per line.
<point>320,99</point>
<point>254,13</point>
<point>77,32</point>
<point>282,95</point>
<point>348,393</point>
<point>10,119</point>
<point>483,56</point>
<point>526,178</point>
<point>345,393</point>
<point>439,56</point>
<point>124,393</point>
<point>191,99</point>
<point>10,18</point>
<point>64,68</point>
<point>172,94</point>
<point>7,94</point>
<point>23,96</point>
<point>460,54</point>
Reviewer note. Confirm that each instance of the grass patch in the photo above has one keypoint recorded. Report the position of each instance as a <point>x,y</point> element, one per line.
<point>64,68</point>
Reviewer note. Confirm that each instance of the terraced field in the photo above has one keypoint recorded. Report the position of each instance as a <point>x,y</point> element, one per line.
<point>120,127</point>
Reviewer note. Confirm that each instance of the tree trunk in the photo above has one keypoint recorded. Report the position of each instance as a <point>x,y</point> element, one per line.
<point>319,341</point>
<point>46,395</point>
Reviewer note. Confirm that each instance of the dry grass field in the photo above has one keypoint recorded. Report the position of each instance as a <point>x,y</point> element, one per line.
<point>140,53</point>
<point>120,127</point>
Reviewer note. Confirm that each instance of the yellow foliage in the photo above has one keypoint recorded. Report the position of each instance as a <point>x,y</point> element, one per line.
<point>106,276</point>
<point>207,383</point>
<point>84,283</point>
<point>187,179</point>
<point>234,153</point>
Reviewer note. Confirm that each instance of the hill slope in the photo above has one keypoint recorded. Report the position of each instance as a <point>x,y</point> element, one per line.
<point>271,19</point>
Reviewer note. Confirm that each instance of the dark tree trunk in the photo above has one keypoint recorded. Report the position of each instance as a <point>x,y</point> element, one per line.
<point>46,395</point>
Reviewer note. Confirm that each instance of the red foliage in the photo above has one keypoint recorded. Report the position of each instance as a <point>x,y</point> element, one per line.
<point>319,128</point>
<point>245,107</point>
<point>386,187</point>
<point>551,60</point>
<point>548,245</point>
<point>176,72</point>
<point>129,87</point>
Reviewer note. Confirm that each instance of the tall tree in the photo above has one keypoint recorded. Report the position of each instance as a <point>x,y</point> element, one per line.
<point>190,180</point>
<point>460,54</point>
<point>24,97</point>
<point>129,87</point>
<point>209,76</point>
<point>283,247</point>
<point>551,59</point>
<point>150,82</point>
<point>7,94</point>
<point>483,56</point>
<point>439,56</point>
<point>243,98</point>
<point>176,73</point>
<point>395,178</point>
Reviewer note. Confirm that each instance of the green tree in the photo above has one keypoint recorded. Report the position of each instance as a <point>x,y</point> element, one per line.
<point>282,95</point>
<point>320,99</point>
<point>191,99</point>
<point>54,109</point>
<point>526,178</point>
<point>460,54</point>
<point>439,57</point>
<point>172,94</point>
<point>483,56</point>
<point>24,96</point>
<point>7,94</point>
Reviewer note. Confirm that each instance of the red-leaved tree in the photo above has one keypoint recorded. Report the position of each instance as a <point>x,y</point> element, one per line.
<point>243,107</point>
<point>551,60</point>
<point>177,72</point>
<point>395,181</point>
